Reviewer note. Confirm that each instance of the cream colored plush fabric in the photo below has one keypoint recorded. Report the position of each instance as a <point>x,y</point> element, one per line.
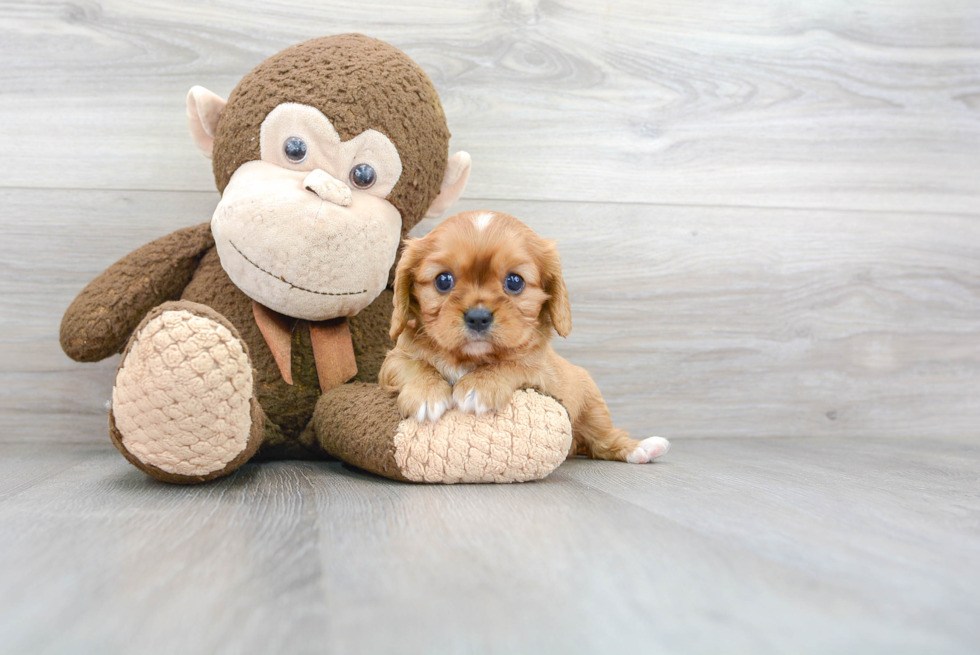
<point>299,254</point>
<point>453,182</point>
<point>507,446</point>
<point>181,399</point>
<point>325,151</point>
<point>203,110</point>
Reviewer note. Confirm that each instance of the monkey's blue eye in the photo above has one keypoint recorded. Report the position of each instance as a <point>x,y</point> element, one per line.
<point>363,176</point>
<point>295,149</point>
<point>445,281</point>
<point>514,283</point>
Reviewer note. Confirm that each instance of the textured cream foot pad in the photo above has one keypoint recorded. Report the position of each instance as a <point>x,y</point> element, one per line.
<point>527,441</point>
<point>181,399</point>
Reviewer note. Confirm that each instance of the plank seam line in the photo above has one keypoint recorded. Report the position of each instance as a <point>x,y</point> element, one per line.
<point>565,202</point>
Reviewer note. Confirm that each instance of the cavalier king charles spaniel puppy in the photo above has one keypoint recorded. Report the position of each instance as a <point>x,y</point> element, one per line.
<point>476,301</point>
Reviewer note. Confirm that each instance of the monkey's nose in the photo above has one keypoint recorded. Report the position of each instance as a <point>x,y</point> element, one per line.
<point>328,187</point>
<point>478,319</point>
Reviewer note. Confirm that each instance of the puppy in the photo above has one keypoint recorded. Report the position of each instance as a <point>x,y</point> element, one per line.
<point>476,302</point>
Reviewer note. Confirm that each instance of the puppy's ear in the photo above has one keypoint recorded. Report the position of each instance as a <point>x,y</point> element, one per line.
<point>413,253</point>
<point>557,306</point>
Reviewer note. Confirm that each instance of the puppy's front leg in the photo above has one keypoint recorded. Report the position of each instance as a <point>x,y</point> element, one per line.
<point>488,387</point>
<point>422,391</point>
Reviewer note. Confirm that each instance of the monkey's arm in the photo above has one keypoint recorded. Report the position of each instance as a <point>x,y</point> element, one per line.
<point>360,424</point>
<point>105,313</point>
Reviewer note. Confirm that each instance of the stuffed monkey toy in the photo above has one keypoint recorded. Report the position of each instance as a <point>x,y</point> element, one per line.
<point>261,333</point>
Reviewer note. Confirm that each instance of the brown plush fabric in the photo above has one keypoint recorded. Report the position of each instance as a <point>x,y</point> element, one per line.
<point>107,311</point>
<point>289,407</point>
<point>390,92</point>
<point>369,332</point>
<point>356,423</point>
<point>259,420</point>
<point>185,265</point>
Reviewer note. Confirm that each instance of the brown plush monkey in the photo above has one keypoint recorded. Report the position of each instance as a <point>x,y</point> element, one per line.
<point>263,331</point>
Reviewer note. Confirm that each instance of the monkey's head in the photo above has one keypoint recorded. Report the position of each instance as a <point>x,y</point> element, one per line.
<point>325,155</point>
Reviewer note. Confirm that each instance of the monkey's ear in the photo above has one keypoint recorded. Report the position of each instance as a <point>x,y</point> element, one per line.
<point>203,111</point>
<point>414,252</point>
<point>453,182</point>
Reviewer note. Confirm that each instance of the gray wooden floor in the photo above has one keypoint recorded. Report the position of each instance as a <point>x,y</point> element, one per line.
<point>727,545</point>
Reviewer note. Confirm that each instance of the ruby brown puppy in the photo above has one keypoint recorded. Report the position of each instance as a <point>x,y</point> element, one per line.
<point>476,303</point>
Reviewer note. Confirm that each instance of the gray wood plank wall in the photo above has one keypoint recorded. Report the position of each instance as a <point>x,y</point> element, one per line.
<point>769,214</point>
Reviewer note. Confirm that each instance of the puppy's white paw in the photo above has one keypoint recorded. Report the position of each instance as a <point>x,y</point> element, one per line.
<point>472,404</point>
<point>431,411</point>
<point>648,450</point>
<point>425,399</point>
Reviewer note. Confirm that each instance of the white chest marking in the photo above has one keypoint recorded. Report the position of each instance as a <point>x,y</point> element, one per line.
<point>452,373</point>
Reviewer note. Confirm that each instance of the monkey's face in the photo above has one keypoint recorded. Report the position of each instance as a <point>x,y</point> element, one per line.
<point>307,230</point>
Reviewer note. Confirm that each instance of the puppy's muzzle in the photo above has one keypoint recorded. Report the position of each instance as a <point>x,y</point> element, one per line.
<point>478,319</point>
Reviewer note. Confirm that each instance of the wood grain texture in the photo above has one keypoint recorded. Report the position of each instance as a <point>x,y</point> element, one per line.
<point>694,321</point>
<point>853,105</point>
<point>746,546</point>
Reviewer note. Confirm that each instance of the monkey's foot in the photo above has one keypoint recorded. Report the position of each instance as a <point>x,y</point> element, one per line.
<point>527,440</point>
<point>182,407</point>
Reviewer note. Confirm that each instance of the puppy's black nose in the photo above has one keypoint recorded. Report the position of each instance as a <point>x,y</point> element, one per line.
<point>478,319</point>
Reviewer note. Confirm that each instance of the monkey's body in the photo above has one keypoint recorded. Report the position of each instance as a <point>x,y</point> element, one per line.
<point>204,384</point>
<point>288,408</point>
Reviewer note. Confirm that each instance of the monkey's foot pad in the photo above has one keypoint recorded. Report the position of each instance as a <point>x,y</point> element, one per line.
<point>526,441</point>
<point>181,403</point>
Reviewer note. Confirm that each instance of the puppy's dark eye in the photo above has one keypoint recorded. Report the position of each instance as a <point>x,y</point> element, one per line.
<point>445,281</point>
<point>295,149</point>
<point>363,176</point>
<point>514,283</point>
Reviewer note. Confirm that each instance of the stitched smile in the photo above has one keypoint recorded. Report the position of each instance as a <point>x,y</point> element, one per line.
<point>294,286</point>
